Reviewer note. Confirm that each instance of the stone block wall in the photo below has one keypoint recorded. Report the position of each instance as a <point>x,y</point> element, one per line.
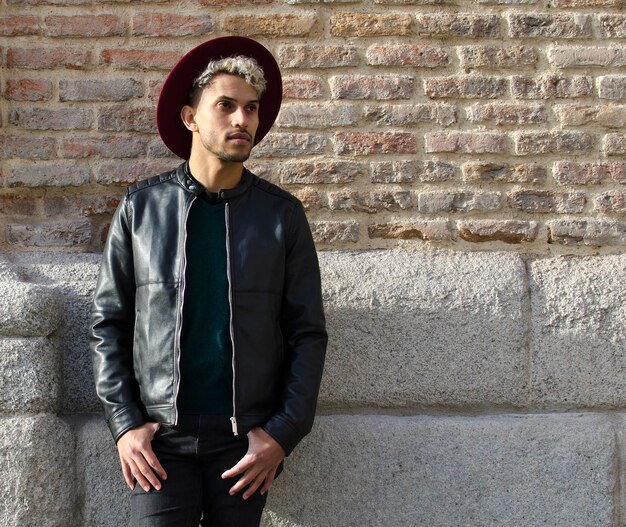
<point>480,389</point>
<point>491,124</point>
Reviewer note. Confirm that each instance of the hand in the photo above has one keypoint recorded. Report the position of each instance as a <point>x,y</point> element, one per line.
<point>258,466</point>
<point>138,459</point>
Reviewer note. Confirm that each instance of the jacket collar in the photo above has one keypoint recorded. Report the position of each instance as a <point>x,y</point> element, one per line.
<point>189,183</point>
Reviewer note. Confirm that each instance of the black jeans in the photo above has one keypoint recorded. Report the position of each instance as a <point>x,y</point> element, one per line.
<point>194,454</point>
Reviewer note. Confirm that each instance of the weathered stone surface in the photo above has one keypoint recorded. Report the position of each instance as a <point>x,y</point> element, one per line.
<point>102,492</point>
<point>425,329</point>
<point>36,462</point>
<point>450,471</point>
<point>28,310</point>
<point>30,376</point>
<point>74,276</point>
<point>579,330</point>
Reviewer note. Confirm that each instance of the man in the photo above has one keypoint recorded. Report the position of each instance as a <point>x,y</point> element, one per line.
<point>208,335</point>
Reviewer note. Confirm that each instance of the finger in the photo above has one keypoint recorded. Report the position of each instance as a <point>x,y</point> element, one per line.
<point>243,482</point>
<point>269,479</point>
<point>239,468</point>
<point>139,478</point>
<point>145,473</point>
<point>253,486</point>
<point>128,477</point>
<point>154,463</point>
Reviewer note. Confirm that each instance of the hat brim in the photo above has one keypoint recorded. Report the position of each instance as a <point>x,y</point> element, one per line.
<point>175,89</point>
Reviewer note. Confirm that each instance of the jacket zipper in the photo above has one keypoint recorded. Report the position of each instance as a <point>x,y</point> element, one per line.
<point>179,322</point>
<point>233,419</point>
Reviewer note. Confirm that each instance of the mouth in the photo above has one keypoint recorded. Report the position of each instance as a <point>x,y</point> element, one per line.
<point>240,138</point>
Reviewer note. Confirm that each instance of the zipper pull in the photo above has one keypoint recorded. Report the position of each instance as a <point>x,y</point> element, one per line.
<point>233,422</point>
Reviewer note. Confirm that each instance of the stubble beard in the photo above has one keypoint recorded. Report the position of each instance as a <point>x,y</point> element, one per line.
<point>224,156</point>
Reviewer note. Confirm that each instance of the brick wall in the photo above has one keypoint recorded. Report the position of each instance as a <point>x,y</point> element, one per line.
<point>478,124</point>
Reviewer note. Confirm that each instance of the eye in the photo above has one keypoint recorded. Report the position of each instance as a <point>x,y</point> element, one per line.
<point>252,108</point>
<point>225,105</point>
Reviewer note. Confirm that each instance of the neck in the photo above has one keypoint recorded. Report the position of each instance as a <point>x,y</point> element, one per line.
<point>214,174</point>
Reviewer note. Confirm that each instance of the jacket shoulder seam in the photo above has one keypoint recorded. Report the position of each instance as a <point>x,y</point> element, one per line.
<point>150,182</point>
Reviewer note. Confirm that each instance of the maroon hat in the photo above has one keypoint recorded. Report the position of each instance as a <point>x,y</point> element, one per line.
<point>175,91</point>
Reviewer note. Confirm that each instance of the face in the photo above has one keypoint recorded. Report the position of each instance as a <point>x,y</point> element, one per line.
<point>225,120</point>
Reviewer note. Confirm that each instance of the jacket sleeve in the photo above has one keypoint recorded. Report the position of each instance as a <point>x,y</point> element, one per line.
<point>112,326</point>
<point>304,337</point>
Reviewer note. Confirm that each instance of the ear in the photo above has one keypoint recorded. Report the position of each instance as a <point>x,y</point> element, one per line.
<point>188,116</point>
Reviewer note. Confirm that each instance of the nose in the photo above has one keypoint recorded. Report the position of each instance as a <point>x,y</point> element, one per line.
<point>240,118</point>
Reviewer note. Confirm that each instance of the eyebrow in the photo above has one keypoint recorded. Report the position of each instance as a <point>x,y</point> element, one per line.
<point>227,98</point>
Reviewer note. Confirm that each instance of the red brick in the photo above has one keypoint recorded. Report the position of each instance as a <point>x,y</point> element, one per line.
<point>49,2</point>
<point>370,202</point>
<point>371,87</point>
<point>171,25</point>
<point>369,24</point>
<point>588,232</point>
<point>310,198</point>
<point>86,26</point>
<point>319,172</point>
<point>551,86</point>
<point>612,26</point>
<point>48,58</point>
<point>18,25</point>
<point>568,172</point>
<point>415,55</point>
<point>316,115</point>
<point>560,142</point>
<point>309,56</point>
<point>220,3</point>
<point>546,201</point>
<point>27,147</point>
<point>579,57</point>
<point>157,149</point>
<point>611,201</point>
<point>578,115</point>
<point>49,175</point>
<point>550,26</point>
<point>128,171</point>
<point>60,233</point>
<point>507,113</point>
<point>465,87</point>
<point>408,171</point>
<point>466,142</point>
<point>410,114</point>
<point>457,25</point>
<point>368,143</point>
<point>614,144</point>
<point>507,231</point>
<point>612,87</point>
<point>100,90</point>
<point>586,3</point>
<point>109,146</point>
<point>430,230</point>
<point>139,59</point>
<point>302,88</point>
<point>497,57</point>
<point>333,232</point>
<point>154,90</point>
<point>43,119</point>
<point>275,25</point>
<point>288,145</point>
<point>13,205</point>
<point>445,201</point>
<point>83,205</point>
<point>504,173</point>
<point>123,118</point>
<point>28,90</point>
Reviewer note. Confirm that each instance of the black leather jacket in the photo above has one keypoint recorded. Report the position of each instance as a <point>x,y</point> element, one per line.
<point>277,321</point>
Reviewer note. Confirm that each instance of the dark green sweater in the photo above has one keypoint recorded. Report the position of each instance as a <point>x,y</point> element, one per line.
<point>206,357</point>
